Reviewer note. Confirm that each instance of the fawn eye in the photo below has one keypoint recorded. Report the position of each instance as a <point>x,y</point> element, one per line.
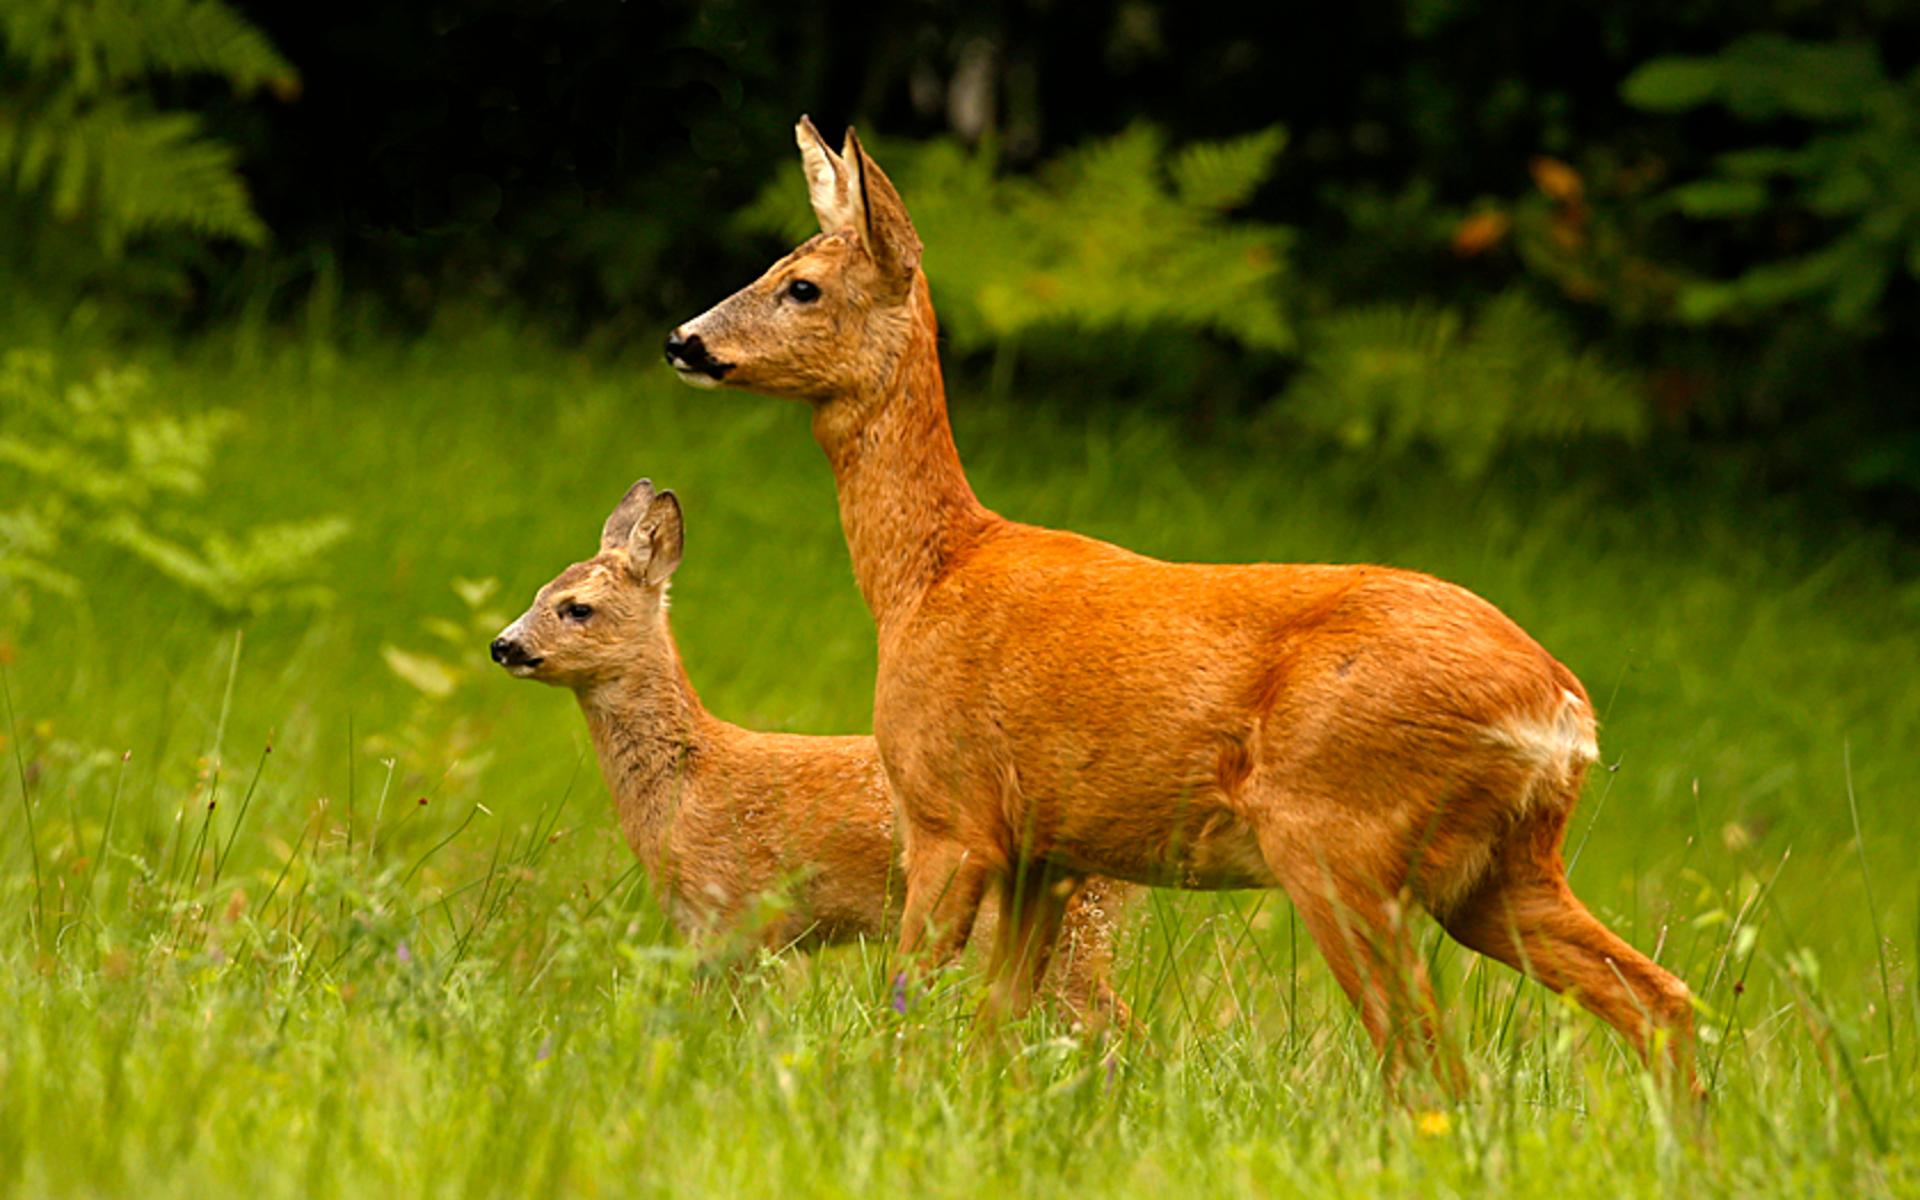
<point>804,290</point>
<point>576,612</point>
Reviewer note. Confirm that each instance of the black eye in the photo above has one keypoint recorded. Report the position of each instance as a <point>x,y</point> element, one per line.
<point>576,612</point>
<point>804,290</point>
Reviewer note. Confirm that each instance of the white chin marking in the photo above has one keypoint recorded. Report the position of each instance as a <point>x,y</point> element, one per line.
<point>696,378</point>
<point>522,671</point>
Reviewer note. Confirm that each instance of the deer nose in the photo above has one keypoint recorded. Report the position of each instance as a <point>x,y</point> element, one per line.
<point>686,352</point>
<point>508,654</point>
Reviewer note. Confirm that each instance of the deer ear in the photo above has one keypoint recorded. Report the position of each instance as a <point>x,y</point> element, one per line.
<point>613,534</point>
<point>890,238</point>
<point>653,549</point>
<point>830,182</point>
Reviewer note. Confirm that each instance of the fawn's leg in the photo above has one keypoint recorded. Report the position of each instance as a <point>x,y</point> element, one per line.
<point>1079,973</point>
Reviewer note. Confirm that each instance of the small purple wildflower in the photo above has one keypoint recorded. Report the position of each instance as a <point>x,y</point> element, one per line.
<point>403,954</point>
<point>545,1051</point>
<point>900,993</point>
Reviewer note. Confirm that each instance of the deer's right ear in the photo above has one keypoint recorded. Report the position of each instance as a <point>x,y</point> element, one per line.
<point>830,183</point>
<point>888,232</point>
<point>653,549</point>
<point>620,522</point>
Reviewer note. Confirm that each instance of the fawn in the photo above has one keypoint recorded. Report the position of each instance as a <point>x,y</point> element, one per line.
<point>720,815</point>
<point>1047,705</point>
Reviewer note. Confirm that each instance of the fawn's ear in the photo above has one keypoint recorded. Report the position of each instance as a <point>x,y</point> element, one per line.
<point>830,183</point>
<point>653,549</point>
<point>887,231</point>
<point>613,534</point>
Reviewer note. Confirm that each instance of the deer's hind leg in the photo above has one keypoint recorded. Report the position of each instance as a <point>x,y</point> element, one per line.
<point>1350,894</point>
<point>1523,914</point>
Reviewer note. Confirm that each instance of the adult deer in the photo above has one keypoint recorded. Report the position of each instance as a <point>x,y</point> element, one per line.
<point>719,815</point>
<point>1048,705</point>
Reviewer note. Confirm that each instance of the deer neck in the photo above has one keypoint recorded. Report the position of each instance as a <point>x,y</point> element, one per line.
<point>905,504</point>
<point>648,729</point>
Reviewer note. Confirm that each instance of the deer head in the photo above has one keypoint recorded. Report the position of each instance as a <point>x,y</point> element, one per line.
<point>583,627</point>
<point>836,312</point>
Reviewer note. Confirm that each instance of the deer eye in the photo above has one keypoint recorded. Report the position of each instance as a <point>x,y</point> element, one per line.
<point>576,611</point>
<point>804,290</point>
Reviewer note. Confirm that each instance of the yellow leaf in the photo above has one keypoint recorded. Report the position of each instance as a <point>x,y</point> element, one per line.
<point>424,672</point>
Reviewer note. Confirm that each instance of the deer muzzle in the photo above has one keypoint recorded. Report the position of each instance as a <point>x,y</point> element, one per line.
<point>509,653</point>
<point>688,356</point>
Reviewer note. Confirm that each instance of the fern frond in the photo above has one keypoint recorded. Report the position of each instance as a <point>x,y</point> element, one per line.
<point>131,171</point>
<point>1224,175</point>
<point>103,467</point>
<point>97,45</point>
<point>1394,377</point>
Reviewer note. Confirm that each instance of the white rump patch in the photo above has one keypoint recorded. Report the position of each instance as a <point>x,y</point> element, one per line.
<point>1560,743</point>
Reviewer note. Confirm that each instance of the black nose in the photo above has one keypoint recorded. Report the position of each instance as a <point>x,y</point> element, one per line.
<point>508,654</point>
<point>690,354</point>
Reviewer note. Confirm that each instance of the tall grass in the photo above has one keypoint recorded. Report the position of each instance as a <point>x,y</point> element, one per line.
<point>278,922</point>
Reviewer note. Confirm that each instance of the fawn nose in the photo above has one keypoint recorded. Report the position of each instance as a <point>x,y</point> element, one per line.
<point>508,653</point>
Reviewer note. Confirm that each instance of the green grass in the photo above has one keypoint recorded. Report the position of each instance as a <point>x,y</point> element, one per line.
<point>322,986</point>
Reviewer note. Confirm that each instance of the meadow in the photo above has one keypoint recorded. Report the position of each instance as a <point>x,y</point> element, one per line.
<point>319,902</point>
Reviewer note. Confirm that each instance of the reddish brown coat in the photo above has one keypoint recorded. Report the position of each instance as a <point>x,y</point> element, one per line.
<point>1367,738</point>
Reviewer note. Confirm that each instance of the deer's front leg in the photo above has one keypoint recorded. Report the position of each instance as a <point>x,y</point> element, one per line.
<point>944,884</point>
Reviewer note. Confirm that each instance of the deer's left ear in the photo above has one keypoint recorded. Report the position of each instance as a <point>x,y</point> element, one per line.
<point>653,549</point>
<point>887,230</point>
<point>619,522</point>
<point>830,183</point>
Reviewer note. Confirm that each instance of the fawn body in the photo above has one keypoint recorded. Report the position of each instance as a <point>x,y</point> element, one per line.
<point>720,815</point>
<point>1049,705</point>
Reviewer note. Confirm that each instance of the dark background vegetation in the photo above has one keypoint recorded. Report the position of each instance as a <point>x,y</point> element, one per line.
<point>576,164</point>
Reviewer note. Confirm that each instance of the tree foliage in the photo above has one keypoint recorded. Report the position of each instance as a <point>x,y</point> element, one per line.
<point>1854,170</point>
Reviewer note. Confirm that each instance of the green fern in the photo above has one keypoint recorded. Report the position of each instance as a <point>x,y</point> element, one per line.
<point>1115,235</point>
<point>1396,377</point>
<point>101,467</point>
<point>78,136</point>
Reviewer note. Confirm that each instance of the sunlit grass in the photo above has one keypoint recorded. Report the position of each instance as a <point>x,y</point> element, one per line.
<point>404,950</point>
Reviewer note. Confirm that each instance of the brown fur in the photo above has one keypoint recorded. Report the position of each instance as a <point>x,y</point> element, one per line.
<point>1367,738</point>
<point>721,815</point>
